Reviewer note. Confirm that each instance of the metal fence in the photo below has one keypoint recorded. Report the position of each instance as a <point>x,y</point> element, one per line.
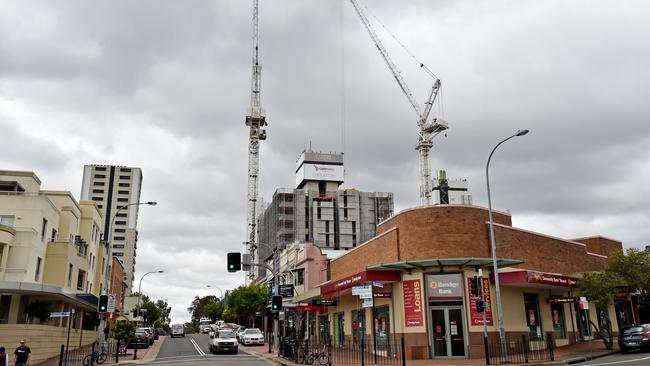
<point>521,350</point>
<point>366,352</point>
<point>107,352</point>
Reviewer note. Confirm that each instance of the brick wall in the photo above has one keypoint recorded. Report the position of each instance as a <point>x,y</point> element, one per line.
<point>601,245</point>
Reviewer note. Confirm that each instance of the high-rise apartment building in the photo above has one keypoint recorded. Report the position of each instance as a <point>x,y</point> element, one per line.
<point>113,188</point>
<point>318,211</point>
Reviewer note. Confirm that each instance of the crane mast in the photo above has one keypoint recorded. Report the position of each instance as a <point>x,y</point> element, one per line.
<point>255,120</point>
<point>426,130</point>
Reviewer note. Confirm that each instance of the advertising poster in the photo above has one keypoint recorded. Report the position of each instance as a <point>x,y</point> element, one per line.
<point>413,303</point>
<point>476,317</point>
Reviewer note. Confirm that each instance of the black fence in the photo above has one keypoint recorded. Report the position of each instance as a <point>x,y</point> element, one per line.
<point>97,353</point>
<point>366,352</point>
<point>520,350</point>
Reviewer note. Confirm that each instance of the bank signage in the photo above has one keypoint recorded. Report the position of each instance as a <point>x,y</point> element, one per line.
<point>413,303</point>
<point>476,317</point>
<point>561,300</point>
<point>445,287</point>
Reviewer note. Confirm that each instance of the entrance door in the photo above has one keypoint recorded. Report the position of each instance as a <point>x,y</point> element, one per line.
<point>447,331</point>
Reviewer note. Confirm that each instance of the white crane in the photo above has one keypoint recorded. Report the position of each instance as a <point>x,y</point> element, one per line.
<point>426,130</point>
<point>255,120</point>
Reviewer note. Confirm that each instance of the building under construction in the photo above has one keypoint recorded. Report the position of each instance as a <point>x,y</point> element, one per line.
<point>318,211</point>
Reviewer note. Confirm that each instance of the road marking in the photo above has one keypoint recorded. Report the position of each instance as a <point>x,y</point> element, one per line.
<point>198,349</point>
<point>618,362</point>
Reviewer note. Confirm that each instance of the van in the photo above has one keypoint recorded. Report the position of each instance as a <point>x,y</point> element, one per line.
<point>178,330</point>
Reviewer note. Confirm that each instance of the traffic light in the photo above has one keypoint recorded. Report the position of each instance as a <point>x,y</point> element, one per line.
<point>103,304</point>
<point>276,303</point>
<point>480,306</point>
<point>474,289</point>
<point>234,262</point>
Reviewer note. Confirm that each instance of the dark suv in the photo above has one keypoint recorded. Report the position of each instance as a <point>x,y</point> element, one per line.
<point>634,337</point>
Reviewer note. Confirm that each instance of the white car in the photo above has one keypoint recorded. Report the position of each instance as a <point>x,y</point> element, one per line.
<point>178,330</point>
<point>223,340</point>
<point>252,336</point>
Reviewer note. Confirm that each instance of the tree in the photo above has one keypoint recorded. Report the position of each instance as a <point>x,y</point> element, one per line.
<point>214,311</point>
<point>601,288</point>
<point>123,331</point>
<point>245,301</point>
<point>165,310</point>
<point>196,308</point>
<point>633,267</point>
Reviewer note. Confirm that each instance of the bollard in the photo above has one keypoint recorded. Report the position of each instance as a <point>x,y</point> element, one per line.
<point>135,352</point>
<point>329,350</point>
<point>117,352</point>
<point>60,355</point>
<point>363,351</point>
<point>486,349</point>
<point>525,344</point>
<point>403,351</point>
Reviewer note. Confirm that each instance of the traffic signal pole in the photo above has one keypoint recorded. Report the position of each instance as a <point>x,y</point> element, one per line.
<point>485,333</point>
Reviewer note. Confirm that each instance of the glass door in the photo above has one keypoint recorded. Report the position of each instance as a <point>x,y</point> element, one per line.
<point>447,330</point>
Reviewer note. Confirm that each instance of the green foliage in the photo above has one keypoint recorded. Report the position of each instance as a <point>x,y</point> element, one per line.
<point>165,310</point>
<point>633,267</point>
<point>198,304</point>
<point>245,301</point>
<point>214,311</point>
<point>123,330</point>
<point>39,309</point>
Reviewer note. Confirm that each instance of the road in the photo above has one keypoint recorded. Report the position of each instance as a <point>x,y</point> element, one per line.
<point>193,349</point>
<point>630,359</point>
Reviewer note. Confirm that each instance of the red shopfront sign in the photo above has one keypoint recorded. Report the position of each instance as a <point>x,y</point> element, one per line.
<point>533,277</point>
<point>476,317</point>
<point>413,303</point>
<point>337,287</point>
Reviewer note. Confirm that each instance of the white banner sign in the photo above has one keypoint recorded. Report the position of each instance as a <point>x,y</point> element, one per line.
<point>111,304</point>
<point>367,303</point>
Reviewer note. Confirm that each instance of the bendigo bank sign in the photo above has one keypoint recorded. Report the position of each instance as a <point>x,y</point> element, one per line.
<point>413,303</point>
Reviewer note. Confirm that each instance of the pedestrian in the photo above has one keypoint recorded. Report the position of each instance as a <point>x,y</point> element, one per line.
<point>4,357</point>
<point>22,354</point>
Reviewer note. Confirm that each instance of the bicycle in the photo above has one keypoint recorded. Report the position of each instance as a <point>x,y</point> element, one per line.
<point>321,357</point>
<point>95,357</point>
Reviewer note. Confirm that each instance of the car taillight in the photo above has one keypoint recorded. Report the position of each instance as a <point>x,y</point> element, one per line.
<point>645,335</point>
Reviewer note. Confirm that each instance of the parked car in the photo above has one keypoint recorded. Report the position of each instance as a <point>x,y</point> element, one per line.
<point>178,330</point>
<point>239,333</point>
<point>140,340</point>
<point>634,337</point>
<point>223,340</point>
<point>252,336</point>
<point>150,332</point>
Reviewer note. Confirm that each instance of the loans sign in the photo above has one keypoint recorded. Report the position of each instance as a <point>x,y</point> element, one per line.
<point>413,303</point>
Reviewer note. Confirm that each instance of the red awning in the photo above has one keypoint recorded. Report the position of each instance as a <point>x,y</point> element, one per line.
<point>344,285</point>
<point>535,279</point>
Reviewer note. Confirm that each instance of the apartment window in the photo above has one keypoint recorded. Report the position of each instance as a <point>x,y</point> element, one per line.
<point>123,192</point>
<point>120,222</point>
<point>119,230</point>
<point>120,215</point>
<point>118,254</point>
<point>53,238</point>
<point>327,240</point>
<point>354,226</point>
<point>98,191</point>
<point>122,200</point>
<point>318,213</point>
<point>100,168</point>
<point>81,279</point>
<point>38,268</point>
<point>43,228</point>
<point>345,213</point>
<point>124,185</point>
<point>69,275</point>
<point>354,240</point>
<point>327,226</point>
<point>125,177</point>
<point>7,220</point>
<point>125,170</point>
<point>300,277</point>
<point>100,176</point>
<point>101,184</point>
<point>118,246</point>
<point>97,198</point>
<point>118,238</point>
<point>99,206</point>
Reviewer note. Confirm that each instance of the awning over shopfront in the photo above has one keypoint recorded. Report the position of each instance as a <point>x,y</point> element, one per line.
<point>342,286</point>
<point>535,279</point>
<point>87,302</point>
<point>446,262</point>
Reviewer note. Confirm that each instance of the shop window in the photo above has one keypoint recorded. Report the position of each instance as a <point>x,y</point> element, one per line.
<point>583,319</point>
<point>358,326</point>
<point>382,327</point>
<point>533,321</point>
<point>339,329</point>
<point>557,315</point>
<point>623,313</point>
<point>5,304</point>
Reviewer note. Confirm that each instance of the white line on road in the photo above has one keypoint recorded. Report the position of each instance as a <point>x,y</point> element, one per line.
<point>198,349</point>
<point>618,362</point>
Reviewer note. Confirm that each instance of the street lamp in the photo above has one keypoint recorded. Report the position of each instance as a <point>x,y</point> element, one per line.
<point>218,288</point>
<point>502,331</point>
<point>140,292</point>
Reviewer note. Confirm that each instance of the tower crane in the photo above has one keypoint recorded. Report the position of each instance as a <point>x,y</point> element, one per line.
<point>255,120</point>
<point>427,130</point>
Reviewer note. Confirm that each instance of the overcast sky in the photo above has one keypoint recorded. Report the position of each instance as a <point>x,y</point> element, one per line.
<point>164,85</point>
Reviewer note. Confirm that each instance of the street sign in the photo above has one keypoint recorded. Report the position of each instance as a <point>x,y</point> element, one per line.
<point>382,294</point>
<point>367,303</point>
<point>561,300</point>
<point>111,304</point>
<point>361,289</point>
<point>583,304</point>
<point>286,291</point>
<point>59,314</point>
<point>324,302</point>
<point>377,284</point>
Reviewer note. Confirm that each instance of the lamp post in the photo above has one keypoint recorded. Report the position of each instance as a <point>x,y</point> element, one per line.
<point>218,288</point>
<point>502,331</point>
<point>140,291</point>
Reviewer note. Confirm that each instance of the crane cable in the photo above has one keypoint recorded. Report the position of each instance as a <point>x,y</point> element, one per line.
<point>422,65</point>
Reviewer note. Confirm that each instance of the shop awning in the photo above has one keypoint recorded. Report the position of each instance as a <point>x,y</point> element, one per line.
<point>446,262</point>
<point>535,279</point>
<point>342,286</point>
<point>306,296</point>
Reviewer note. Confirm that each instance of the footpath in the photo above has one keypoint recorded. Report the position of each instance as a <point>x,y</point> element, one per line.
<point>563,356</point>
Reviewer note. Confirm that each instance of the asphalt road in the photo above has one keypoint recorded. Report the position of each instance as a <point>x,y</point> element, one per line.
<point>193,349</point>
<point>630,359</point>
